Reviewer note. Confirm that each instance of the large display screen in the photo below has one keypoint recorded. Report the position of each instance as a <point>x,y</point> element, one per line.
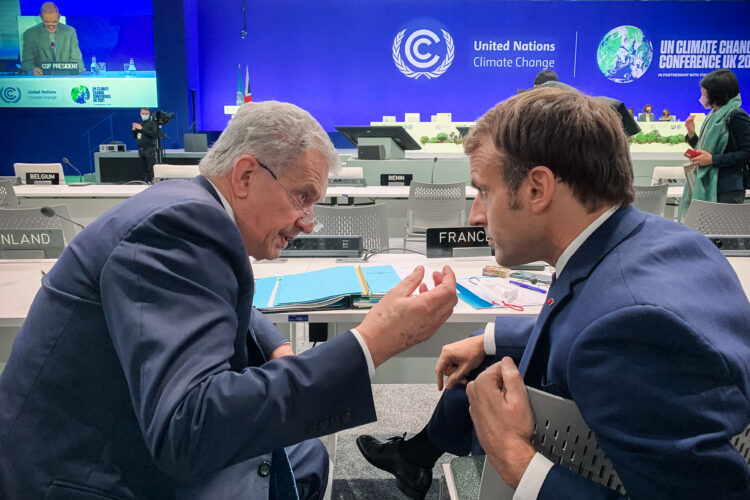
<point>351,62</point>
<point>74,54</point>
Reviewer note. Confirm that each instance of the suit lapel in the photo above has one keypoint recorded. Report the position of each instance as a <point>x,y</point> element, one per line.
<point>614,230</point>
<point>246,282</point>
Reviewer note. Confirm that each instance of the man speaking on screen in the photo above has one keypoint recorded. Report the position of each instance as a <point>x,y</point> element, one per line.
<point>50,41</point>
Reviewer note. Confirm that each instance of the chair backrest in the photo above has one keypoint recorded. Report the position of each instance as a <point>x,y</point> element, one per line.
<point>674,176</point>
<point>718,218</point>
<point>561,435</point>
<point>742,442</point>
<point>7,195</point>
<point>368,221</point>
<point>435,205</point>
<point>652,199</point>
<point>32,218</point>
<point>166,171</point>
<point>21,169</point>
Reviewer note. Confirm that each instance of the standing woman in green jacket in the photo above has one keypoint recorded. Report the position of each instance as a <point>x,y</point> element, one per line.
<point>724,140</point>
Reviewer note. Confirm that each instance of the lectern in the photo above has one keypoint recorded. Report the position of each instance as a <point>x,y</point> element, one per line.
<point>379,143</point>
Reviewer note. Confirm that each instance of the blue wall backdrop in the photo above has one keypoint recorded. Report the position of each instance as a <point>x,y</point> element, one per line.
<point>336,58</point>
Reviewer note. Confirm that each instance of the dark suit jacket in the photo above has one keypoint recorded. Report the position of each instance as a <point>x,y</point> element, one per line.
<point>36,47</point>
<point>140,369</point>
<point>649,333</point>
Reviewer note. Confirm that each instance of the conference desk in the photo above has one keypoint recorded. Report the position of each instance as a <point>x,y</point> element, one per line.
<point>86,203</point>
<point>20,280</point>
<point>26,193</point>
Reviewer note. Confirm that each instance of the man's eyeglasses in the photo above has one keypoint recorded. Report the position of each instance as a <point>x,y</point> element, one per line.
<point>308,217</point>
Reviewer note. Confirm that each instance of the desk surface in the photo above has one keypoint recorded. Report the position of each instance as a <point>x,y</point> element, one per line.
<point>126,191</point>
<point>90,191</point>
<point>21,279</point>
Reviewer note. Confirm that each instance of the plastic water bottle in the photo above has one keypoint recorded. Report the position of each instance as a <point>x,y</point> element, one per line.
<point>94,66</point>
<point>131,65</point>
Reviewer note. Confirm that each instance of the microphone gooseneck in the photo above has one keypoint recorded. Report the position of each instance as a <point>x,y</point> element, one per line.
<point>80,174</point>
<point>50,212</point>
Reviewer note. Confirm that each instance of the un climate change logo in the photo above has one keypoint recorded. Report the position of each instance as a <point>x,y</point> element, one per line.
<point>624,54</point>
<point>419,59</point>
<point>80,94</point>
<point>11,95</point>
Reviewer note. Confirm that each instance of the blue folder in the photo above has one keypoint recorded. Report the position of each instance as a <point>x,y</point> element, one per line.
<point>334,287</point>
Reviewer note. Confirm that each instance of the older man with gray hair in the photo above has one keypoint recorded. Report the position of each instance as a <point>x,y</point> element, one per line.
<point>142,371</point>
<point>49,41</point>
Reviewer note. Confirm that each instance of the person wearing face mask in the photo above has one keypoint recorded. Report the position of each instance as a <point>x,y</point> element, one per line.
<point>723,142</point>
<point>147,132</point>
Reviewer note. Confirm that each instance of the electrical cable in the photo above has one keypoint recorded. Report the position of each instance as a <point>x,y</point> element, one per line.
<point>370,253</point>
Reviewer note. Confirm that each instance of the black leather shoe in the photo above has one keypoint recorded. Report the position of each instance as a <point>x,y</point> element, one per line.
<point>412,480</point>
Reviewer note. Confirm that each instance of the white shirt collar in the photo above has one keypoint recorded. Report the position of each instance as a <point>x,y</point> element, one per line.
<point>578,241</point>
<point>224,201</point>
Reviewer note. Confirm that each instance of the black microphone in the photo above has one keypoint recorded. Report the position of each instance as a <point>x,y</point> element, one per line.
<point>50,212</point>
<point>80,175</point>
<point>432,177</point>
<point>54,50</point>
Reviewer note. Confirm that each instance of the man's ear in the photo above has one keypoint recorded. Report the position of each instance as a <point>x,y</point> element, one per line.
<point>242,172</point>
<point>541,186</point>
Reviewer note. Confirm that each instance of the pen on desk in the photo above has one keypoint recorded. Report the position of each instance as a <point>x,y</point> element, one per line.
<point>528,287</point>
<point>43,273</point>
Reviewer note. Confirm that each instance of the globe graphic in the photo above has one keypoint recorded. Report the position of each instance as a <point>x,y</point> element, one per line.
<point>80,94</point>
<point>624,54</point>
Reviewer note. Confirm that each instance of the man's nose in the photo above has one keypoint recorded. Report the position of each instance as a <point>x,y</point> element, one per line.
<point>477,214</point>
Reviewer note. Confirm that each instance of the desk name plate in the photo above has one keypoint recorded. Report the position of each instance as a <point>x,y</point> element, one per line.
<point>51,241</point>
<point>396,179</point>
<point>42,178</point>
<point>443,241</point>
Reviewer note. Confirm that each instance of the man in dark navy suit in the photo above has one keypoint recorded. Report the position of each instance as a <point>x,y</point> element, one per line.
<point>646,326</point>
<point>142,371</point>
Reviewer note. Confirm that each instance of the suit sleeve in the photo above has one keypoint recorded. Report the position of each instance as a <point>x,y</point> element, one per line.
<point>651,387</point>
<point>739,137</point>
<point>170,296</point>
<point>268,336</point>
<point>29,51</point>
<point>511,336</point>
<point>75,51</point>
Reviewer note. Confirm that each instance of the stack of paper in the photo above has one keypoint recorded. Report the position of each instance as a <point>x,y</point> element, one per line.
<point>484,292</point>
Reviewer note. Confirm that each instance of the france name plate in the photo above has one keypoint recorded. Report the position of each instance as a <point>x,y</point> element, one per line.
<point>441,241</point>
